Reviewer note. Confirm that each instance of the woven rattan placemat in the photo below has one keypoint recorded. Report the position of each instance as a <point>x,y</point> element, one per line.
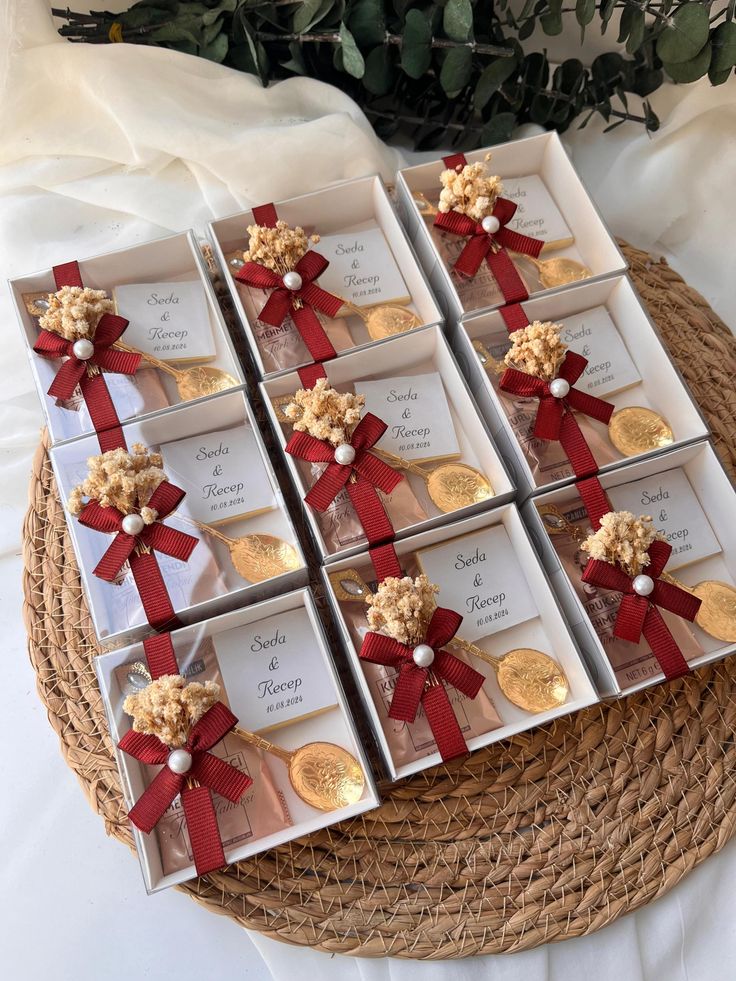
<point>550,835</point>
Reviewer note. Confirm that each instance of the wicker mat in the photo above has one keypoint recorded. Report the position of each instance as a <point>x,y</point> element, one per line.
<point>550,835</point>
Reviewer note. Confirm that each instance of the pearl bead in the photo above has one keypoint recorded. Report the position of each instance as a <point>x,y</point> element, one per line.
<point>559,388</point>
<point>344,454</point>
<point>133,524</point>
<point>643,585</point>
<point>293,281</point>
<point>423,655</point>
<point>179,761</point>
<point>490,224</point>
<point>83,349</point>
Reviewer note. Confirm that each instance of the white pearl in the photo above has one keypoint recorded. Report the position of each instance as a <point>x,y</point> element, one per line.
<point>83,349</point>
<point>490,224</point>
<point>643,585</point>
<point>423,655</point>
<point>293,281</point>
<point>179,761</point>
<point>344,454</point>
<point>133,524</point>
<point>559,388</point>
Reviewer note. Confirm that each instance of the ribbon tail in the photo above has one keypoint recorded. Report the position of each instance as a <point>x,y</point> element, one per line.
<point>471,258</point>
<point>370,510</point>
<point>663,644</point>
<point>67,378</point>
<point>155,800</point>
<point>445,728</point>
<point>202,829</point>
<point>408,693</point>
<point>221,776</point>
<point>576,447</point>
<point>152,590</point>
<point>313,333</point>
<point>509,281</point>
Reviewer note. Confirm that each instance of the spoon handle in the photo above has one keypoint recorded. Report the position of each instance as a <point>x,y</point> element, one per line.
<point>400,462</point>
<point>676,582</point>
<point>207,529</point>
<point>476,651</point>
<point>260,743</point>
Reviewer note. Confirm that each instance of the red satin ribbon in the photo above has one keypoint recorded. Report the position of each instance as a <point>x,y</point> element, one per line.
<point>138,550</point>
<point>309,374</point>
<point>417,686</point>
<point>489,246</point>
<point>639,615</point>
<point>385,561</point>
<point>301,303</point>
<point>361,477</point>
<point>555,419</point>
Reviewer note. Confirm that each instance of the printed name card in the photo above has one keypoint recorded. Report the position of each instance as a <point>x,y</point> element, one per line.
<point>536,212</point>
<point>594,335</point>
<point>669,499</point>
<point>171,321</point>
<point>273,671</point>
<point>362,268</point>
<point>222,473</point>
<point>417,414</point>
<point>480,577</point>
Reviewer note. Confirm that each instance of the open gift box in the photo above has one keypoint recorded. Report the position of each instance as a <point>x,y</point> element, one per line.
<point>233,509</point>
<point>552,205</point>
<point>628,366</point>
<point>275,673</point>
<point>371,262</point>
<point>689,498</point>
<point>413,384</point>
<point>488,572</point>
<point>163,289</point>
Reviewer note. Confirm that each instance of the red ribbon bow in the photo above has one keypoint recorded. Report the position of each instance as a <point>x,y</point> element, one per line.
<point>361,477</point>
<point>300,303</point>
<point>639,615</point>
<point>555,420</point>
<point>210,772</point>
<point>411,685</point>
<point>138,550</point>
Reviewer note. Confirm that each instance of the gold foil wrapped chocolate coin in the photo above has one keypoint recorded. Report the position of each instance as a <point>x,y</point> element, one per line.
<point>635,430</point>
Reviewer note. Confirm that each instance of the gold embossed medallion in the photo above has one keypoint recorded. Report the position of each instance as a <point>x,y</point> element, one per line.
<point>717,613</point>
<point>635,430</point>
<point>532,680</point>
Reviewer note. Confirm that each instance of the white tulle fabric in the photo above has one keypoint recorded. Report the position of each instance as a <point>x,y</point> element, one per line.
<point>103,147</point>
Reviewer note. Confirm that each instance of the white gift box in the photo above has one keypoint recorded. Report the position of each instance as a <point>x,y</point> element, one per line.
<point>343,207</point>
<point>176,258</point>
<point>208,578</point>
<point>541,155</point>
<point>547,631</point>
<point>661,387</point>
<point>333,724</point>
<point>406,354</point>
<point>717,497</point>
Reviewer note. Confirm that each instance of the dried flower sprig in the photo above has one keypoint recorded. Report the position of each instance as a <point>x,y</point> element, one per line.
<point>325,413</point>
<point>470,191</point>
<point>623,540</point>
<point>121,480</point>
<point>402,608</point>
<point>74,312</point>
<point>537,350</point>
<point>170,706</point>
<point>278,249</point>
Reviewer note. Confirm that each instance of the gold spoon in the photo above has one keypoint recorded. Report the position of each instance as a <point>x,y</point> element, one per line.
<point>323,775</point>
<point>191,383</point>
<point>530,679</point>
<point>450,485</point>
<point>632,430</point>
<point>254,557</point>
<point>717,613</point>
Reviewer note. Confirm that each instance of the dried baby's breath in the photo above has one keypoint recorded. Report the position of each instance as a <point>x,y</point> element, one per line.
<point>121,480</point>
<point>74,312</point>
<point>279,248</point>
<point>623,540</point>
<point>169,707</point>
<point>402,608</point>
<point>325,413</point>
<point>470,191</point>
<point>537,350</point>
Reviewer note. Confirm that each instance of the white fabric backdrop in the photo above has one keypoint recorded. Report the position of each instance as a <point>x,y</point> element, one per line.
<point>103,147</point>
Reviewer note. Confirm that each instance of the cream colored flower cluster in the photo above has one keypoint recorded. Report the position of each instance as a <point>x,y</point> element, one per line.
<point>402,608</point>
<point>623,540</point>
<point>537,350</point>
<point>169,707</point>
<point>325,413</point>
<point>121,480</point>
<point>470,191</point>
<point>279,248</point>
<point>74,312</point>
